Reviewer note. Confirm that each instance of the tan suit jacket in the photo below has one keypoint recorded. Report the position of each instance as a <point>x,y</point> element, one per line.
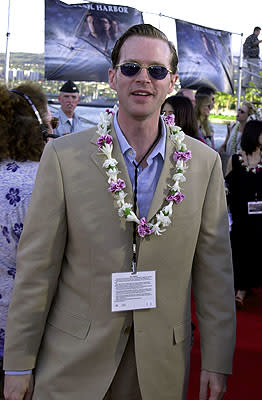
<point>73,240</point>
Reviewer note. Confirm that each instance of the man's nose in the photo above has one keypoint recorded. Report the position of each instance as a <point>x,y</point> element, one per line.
<point>143,74</point>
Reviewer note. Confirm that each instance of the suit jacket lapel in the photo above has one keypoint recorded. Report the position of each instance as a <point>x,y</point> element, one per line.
<point>99,159</point>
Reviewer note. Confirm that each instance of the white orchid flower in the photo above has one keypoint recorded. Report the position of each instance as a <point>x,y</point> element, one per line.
<point>183,167</point>
<point>110,162</point>
<point>105,119</point>
<point>101,130</point>
<point>163,219</point>
<point>132,217</point>
<point>112,174</point>
<point>179,177</point>
<point>169,208</point>
<point>175,129</point>
<point>183,147</point>
<point>180,137</point>
<point>156,229</point>
<point>180,164</point>
<point>107,150</point>
<point>121,211</point>
<point>121,198</point>
<point>175,187</point>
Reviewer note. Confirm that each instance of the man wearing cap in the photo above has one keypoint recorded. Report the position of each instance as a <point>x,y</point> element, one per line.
<point>69,120</point>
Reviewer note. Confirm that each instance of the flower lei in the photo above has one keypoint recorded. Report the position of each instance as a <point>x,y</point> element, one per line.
<point>116,185</point>
<point>247,167</point>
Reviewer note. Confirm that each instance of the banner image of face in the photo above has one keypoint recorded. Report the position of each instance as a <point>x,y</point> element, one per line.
<point>205,57</point>
<point>79,38</point>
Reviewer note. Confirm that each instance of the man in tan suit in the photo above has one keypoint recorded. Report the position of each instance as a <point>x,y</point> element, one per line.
<point>78,249</point>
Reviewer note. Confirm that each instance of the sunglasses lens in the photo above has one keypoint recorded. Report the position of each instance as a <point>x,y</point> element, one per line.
<point>129,69</point>
<point>157,71</point>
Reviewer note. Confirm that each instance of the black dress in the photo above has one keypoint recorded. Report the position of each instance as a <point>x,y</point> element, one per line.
<point>246,233</point>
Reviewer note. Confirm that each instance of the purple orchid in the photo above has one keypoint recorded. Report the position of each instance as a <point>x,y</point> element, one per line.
<point>143,228</point>
<point>182,155</point>
<point>169,119</point>
<point>108,111</point>
<point>115,187</point>
<point>105,139</point>
<point>177,197</point>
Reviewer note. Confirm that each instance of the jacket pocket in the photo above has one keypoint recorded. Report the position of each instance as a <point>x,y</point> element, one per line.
<point>181,331</point>
<point>69,323</point>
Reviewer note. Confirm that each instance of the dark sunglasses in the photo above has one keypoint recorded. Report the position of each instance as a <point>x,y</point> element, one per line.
<point>208,106</point>
<point>54,122</point>
<point>158,72</point>
<point>241,111</point>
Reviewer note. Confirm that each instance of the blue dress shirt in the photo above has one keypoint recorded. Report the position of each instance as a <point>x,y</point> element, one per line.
<point>147,177</point>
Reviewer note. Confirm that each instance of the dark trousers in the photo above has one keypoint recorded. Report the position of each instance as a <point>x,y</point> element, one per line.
<point>125,384</point>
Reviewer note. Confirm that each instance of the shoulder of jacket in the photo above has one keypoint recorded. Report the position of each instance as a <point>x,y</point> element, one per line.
<point>82,119</point>
<point>76,140</point>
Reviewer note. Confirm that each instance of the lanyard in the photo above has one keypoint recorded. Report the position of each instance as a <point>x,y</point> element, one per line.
<point>137,165</point>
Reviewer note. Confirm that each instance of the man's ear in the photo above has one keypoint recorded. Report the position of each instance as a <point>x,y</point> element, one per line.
<point>111,78</point>
<point>173,78</point>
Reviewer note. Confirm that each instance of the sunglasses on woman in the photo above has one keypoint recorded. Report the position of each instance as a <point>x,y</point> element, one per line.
<point>129,69</point>
<point>241,111</point>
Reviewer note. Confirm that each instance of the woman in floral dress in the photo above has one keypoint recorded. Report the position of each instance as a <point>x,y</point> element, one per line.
<point>244,184</point>
<point>21,146</point>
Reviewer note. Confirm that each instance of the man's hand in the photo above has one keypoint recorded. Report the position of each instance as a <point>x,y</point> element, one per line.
<point>18,387</point>
<point>217,383</point>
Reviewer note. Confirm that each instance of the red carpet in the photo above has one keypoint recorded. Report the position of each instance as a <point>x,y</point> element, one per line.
<point>246,381</point>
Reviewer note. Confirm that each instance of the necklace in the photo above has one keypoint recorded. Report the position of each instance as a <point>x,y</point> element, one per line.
<point>117,185</point>
<point>247,167</point>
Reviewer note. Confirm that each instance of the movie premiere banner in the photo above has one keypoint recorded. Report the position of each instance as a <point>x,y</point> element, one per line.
<point>79,38</point>
<point>205,57</point>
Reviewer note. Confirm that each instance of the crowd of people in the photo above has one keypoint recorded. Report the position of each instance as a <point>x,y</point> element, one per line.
<point>241,163</point>
<point>77,321</point>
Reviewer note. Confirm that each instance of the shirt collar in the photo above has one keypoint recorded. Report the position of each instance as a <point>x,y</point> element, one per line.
<point>125,146</point>
<point>64,117</point>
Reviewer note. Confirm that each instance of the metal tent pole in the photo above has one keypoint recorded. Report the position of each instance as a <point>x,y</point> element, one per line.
<point>240,72</point>
<point>7,52</point>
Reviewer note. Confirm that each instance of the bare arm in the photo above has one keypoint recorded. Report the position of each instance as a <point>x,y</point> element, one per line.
<point>19,387</point>
<point>224,145</point>
<point>212,385</point>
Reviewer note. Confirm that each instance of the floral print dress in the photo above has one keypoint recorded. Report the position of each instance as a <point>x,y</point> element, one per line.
<point>16,185</point>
